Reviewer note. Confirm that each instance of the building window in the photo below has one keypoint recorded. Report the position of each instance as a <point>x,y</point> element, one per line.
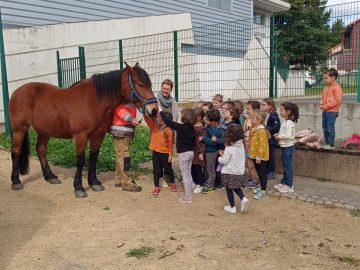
<point>347,39</point>
<point>221,4</point>
<point>259,19</point>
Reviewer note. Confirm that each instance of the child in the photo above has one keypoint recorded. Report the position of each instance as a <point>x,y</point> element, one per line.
<point>239,106</point>
<point>286,137</point>
<point>161,143</point>
<point>272,124</point>
<point>123,130</point>
<point>217,101</point>
<point>207,106</point>
<point>198,163</point>
<point>199,104</point>
<point>211,147</point>
<point>253,180</point>
<point>330,104</point>
<point>233,171</point>
<point>228,116</point>
<point>259,150</point>
<point>185,144</point>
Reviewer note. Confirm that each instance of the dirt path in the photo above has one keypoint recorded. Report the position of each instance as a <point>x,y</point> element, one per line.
<point>45,227</point>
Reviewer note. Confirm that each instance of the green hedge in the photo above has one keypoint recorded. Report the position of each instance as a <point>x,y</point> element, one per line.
<point>62,152</point>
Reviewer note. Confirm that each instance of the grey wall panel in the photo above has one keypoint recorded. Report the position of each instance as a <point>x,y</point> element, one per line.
<point>35,12</point>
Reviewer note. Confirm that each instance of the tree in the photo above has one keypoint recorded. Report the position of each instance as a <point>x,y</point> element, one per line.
<point>303,33</point>
<point>336,32</point>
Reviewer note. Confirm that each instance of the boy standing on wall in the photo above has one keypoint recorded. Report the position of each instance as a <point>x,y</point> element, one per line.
<point>330,104</point>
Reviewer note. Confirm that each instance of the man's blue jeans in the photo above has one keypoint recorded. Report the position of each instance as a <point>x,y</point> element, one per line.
<point>328,125</point>
<point>287,154</point>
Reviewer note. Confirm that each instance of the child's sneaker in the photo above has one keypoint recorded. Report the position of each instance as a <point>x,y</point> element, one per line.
<point>173,187</point>
<point>198,189</point>
<point>245,203</point>
<point>206,189</point>
<point>184,200</point>
<point>156,191</point>
<point>286,189</point>
<point>252,184</point>
<point>279,186</point>
<point>328,146</point>
<point>256,190</point>
<point>230,209</point>
<point>163,182</point>
<point>260,195</point>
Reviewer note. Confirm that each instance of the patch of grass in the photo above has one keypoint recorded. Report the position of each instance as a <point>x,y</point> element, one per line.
<point>316,90</point>
<point>140,252</point>
<point>350,260</point>
<point>355,212</point>
<point>62,152</point>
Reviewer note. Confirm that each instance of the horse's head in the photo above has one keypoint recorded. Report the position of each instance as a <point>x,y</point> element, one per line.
<point>140,91</point>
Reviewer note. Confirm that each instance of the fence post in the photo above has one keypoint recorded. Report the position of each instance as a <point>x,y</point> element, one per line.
<point>121,55</point>
<point>271,71</point>
<point>58,63</point>
<point>275,67</point>
<point>358,72</point>
<point>82,63</point>
<point>4,82</point>
<point>176,68</point>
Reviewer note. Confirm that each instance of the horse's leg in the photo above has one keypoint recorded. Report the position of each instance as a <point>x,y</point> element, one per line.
<point>41,149</point>
<point>94,183</point>
<point>80,143</point>
<point>20,157</point>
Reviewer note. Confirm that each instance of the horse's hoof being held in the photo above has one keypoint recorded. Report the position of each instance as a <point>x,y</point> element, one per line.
<point>80,194</point>
<point>54,181</point>
<point>17,187</point>
<point>98,187</point>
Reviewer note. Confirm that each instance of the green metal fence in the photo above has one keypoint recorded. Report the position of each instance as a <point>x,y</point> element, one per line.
<point>70,70</point>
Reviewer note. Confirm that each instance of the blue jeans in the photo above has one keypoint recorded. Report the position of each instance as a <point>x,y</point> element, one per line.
<point>328,125</point>
<point>287,154</point>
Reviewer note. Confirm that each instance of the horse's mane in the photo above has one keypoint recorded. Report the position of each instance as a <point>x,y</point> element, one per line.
<point>108,84</point>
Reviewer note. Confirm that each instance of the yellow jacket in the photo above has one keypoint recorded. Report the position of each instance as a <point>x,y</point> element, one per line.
<point>259,144</point>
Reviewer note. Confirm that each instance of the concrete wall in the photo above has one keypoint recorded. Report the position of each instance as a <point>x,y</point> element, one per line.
<point>347,124</point>
<point>324,165</point>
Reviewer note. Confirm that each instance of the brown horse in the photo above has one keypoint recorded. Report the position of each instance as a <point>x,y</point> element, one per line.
<point>81,112</point>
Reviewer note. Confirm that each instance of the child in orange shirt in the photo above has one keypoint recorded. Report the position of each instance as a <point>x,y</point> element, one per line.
<point>330,104</point>
<point>161,143</point>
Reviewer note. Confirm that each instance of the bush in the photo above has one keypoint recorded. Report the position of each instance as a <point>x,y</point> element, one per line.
<point>62,152</point>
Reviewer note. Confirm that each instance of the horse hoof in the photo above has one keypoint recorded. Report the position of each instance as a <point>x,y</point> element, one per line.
<point>80,194</point>
<point>17,187</point>
<point>97,187</point>
<point>54,181</point>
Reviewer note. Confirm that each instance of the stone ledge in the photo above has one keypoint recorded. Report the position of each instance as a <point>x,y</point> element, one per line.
<point>325,165</point>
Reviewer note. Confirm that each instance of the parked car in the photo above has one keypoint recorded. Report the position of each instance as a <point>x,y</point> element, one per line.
<point>310,79</point>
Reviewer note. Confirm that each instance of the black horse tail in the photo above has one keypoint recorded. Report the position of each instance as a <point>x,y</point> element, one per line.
<point>24,155</point>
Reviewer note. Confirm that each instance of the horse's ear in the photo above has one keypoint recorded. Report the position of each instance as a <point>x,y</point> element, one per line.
<point>137,65</point>
<point>126,64</point>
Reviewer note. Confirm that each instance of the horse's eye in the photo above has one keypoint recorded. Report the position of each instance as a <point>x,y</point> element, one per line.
<point>141,85</point>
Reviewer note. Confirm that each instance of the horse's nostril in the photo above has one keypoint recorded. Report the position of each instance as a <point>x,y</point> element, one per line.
<point>154,111</point>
